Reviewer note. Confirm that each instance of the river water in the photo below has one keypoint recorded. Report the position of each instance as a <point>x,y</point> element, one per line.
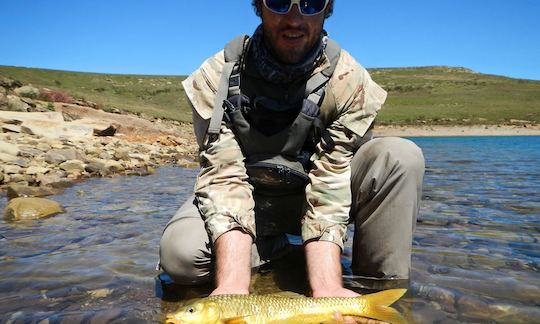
<point>476,250</point>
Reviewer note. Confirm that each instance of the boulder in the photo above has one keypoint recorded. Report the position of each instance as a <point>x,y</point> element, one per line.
<point>15,191</point>
<point>30,209</point>
<point>28,91</point>
<point>14,103</point>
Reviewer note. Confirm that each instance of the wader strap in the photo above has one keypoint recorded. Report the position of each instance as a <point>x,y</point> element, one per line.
<point>229,84</point>
<point>316,85</point>
<point>221,95</point>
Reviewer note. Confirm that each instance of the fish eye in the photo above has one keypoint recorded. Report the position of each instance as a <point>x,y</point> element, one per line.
<point>191,310</point>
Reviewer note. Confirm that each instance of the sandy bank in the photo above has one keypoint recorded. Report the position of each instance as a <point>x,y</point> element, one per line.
<point>474,130</point>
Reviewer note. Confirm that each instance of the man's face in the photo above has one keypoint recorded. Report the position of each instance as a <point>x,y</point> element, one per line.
<point>291,36</point>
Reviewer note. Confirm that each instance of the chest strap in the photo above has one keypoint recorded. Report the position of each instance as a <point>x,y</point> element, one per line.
<point>229,83</point>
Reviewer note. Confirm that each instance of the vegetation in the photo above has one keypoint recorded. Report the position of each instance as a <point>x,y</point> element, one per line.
<point>426,95</point>
<point>444,95</point>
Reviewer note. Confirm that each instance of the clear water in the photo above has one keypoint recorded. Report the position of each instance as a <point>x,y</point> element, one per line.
<point>476,247</point>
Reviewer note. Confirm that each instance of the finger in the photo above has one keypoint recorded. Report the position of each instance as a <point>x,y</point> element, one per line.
<point>361,320</point>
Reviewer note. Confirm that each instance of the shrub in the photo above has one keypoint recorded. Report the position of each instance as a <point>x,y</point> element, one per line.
<point>55,96</point>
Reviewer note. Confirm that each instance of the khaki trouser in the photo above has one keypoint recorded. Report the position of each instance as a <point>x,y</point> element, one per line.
<point>386,184</point>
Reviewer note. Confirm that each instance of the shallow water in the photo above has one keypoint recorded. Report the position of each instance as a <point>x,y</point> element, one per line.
<point>476,247</point>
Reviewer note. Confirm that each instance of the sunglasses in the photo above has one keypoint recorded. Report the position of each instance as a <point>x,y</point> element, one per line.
<point>307,7</point>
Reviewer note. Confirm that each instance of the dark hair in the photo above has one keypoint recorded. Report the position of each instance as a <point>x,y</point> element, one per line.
<point>257,7</point>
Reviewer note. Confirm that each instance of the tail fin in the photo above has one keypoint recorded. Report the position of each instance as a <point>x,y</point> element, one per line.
<point>378,306</point>
<point>386,314</point>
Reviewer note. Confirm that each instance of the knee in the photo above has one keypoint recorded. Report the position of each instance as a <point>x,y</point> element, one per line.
<point>184,255</point>
<point>404,155</point>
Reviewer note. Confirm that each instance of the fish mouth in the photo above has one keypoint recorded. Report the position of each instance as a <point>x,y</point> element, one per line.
<point>171,319</point>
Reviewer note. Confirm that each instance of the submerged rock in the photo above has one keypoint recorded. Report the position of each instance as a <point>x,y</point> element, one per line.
<point>15,191</point>
<point>31,208</point>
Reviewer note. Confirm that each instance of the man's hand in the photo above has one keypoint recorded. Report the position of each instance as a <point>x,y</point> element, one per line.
<point>233,263</point>
<point>354,320</point>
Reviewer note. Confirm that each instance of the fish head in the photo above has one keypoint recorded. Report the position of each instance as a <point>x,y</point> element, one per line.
<point>203,311</point>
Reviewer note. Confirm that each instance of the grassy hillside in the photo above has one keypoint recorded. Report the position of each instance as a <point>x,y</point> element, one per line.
<point>157,96</point>
<point>432,95</point>
<point>443,95</point>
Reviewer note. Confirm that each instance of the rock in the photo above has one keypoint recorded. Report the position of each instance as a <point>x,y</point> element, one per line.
<point>97,166</point>
<point>139,156</point>
<point>9,83</point>
<point>29,102</point>
<point>100,127</point>
<point>29,152</point>
<point>114,166</point>
<point>139,171</point>
<point>24,116</point>
<point>31,208</point>
<point>56,180</point>
<point>3,100</point>
<point>9,148</point>
<point>472,307</point>
<point>7,158</point>
<point>122,154</point>
<point>6,128</point>
<point>1,174</point>
<point>105,156</point>
<point>33,170</point>
<point>109,131</point>
<point>187,164</point>
<point>53,129</point>
<point>15,104</point>
<point>42,146</point>
<point>72,166</point>
<point>15,191</point>
<point>28,91</point>
<point>56,156</point>
<point>12,169</point>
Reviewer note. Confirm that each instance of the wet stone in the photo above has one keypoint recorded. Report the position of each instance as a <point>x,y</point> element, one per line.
<point>31,208</point>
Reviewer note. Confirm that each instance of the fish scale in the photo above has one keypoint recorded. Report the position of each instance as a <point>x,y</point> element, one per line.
<point>259,308</point>
<point>273,309</point>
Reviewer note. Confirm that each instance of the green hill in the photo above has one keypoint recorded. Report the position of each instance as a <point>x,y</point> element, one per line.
<point>431,95</point>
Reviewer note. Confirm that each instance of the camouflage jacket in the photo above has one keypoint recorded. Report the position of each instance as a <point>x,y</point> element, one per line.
<point>223,193</point>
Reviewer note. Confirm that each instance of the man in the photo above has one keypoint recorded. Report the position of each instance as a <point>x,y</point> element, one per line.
<point>249,192</point>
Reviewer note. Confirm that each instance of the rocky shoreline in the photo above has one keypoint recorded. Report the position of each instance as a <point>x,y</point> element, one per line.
<point>47,146</point>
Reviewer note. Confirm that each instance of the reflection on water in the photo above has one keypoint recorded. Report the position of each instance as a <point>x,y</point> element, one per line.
<point>476,248</point>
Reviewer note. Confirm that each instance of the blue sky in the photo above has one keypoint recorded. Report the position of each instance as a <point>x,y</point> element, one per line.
<point>173,37</point>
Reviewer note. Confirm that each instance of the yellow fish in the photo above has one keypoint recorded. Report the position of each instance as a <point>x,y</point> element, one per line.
<point>274,309</point>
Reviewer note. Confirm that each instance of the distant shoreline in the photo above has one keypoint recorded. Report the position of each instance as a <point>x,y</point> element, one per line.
<point>461,130</point>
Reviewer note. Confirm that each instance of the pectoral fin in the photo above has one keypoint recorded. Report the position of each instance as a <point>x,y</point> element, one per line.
<point>235,320</point>
<point>307,318</point>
